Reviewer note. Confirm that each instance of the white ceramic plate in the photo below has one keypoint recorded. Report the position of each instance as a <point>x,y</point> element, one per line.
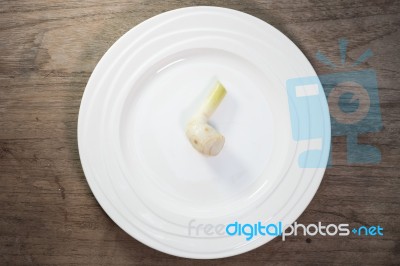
<point>138,162</point>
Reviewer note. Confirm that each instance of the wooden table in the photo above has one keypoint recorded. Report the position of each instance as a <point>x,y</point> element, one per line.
<point>48,214</point>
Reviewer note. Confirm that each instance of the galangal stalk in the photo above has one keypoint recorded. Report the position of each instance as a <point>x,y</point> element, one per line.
<point>201,135</point>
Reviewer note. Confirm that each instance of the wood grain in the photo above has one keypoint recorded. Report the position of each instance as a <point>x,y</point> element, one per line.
<point>48,214</point>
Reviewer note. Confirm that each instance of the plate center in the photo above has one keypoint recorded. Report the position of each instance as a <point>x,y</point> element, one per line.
<point>153,129</point>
